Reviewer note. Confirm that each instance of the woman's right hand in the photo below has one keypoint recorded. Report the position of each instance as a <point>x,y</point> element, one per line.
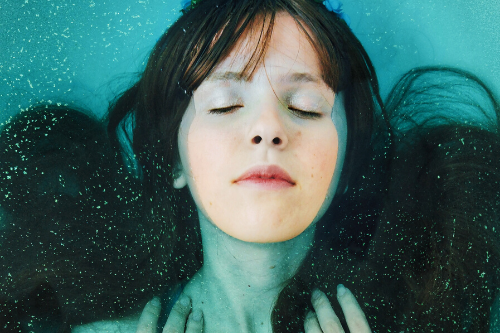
<point>324,319</point>
<point>181,318</point>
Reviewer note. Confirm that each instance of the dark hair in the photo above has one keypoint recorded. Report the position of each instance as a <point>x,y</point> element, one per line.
<point>186,55</point>
<point>194,45</point>
<point>70,222</point>
<point>394,223</point>
<point>433,260</point>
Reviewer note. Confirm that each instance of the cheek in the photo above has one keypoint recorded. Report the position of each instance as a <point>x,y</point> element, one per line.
<point>330,167</point>
<point>321,179</point>
<point>209,151</point>
<point>315,160</point>
<point>320,157</point>
<point>209,148</point>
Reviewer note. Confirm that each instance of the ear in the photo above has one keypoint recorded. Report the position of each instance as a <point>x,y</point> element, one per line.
<point>180,179</point>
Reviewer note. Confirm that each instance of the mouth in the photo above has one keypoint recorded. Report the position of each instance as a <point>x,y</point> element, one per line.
<point>269,175</point>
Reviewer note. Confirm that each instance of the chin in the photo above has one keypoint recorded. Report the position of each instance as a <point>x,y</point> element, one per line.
<point>266,231</point>
<point>264,239</point>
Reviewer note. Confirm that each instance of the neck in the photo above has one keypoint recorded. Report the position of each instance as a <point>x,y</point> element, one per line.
<point>246,278</point>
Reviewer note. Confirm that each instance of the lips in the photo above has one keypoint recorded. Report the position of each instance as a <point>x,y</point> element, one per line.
<point>266,174</point>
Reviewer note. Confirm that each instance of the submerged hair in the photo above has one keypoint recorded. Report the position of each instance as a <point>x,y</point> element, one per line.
<point>395,233</point>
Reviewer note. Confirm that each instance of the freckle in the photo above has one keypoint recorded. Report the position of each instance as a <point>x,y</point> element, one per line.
<point>312,176</point>
<point>210,203</point>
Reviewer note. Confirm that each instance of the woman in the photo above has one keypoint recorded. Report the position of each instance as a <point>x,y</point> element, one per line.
<point>267,114</point>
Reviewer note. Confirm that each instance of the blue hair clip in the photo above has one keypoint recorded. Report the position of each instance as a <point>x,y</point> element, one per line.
<point>185,4</point>
<point>188,5</point>
<point>335,6</point>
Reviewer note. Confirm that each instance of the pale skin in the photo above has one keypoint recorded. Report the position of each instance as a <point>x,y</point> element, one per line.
<point>256,237</point>
<point>247,256</point>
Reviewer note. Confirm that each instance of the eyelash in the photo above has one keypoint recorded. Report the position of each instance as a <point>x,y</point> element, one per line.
<point>305,114</point>
<point>227,109</point>
<point>299,113</point>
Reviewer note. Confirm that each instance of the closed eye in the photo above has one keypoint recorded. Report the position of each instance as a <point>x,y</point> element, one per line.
<point>227,109</point>
<point>305,114</point>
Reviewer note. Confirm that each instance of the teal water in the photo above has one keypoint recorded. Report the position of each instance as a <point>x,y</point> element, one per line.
<point>86,52</point>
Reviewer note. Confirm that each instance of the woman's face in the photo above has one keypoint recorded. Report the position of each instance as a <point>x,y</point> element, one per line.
<point>262,156</point>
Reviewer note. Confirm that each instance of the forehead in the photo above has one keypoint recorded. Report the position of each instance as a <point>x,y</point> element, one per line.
<point>289,49</point>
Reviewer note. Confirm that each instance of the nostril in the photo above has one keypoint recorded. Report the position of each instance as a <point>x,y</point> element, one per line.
<point>257,139</point>
<point>276,141</point>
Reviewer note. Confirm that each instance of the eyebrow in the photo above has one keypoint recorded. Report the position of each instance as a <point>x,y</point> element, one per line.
<point>289,78</point>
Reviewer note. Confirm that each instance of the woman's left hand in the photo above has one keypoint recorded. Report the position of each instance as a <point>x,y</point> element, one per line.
<point>149,317</point>
<point>180,318</point>
<point>324,320</point>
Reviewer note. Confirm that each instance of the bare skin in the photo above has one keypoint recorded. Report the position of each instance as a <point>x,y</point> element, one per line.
<point>322,320</point>
<point>255,237</point>
<point>240,281</point>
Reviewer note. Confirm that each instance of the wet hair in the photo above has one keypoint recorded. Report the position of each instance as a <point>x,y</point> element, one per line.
<point>67,221</point>
<point>433,261</point>
<point>199,40</point>
<point>189,52</point>
<point>394,234</point>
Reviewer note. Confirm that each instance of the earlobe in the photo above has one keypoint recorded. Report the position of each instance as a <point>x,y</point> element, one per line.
<point>180,180</point>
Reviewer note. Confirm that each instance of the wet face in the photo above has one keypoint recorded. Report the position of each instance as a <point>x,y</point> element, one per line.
<point>262,155</point>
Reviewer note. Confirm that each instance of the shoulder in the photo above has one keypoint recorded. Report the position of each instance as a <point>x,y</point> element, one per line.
<point>122,325</point>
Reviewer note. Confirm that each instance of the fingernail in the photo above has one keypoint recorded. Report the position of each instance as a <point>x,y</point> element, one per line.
<point>155,301</point>
<point>197,315</point>
<point>316,294</point>
<point>184,300</point>
<point>341,290</point>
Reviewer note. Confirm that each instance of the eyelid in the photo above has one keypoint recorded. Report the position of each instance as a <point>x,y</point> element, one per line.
<point>223,100</point>
<point>296,101</point>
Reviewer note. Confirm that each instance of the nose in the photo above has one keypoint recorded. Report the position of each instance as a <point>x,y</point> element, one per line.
<point>269,130</point>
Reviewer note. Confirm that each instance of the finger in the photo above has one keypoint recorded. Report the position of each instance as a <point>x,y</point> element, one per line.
<point>177,318</point>
<point>195,322</point>
<point>311,324</point>
<point>149,317</point>
<point>354,316</point>
<point>328,320</point>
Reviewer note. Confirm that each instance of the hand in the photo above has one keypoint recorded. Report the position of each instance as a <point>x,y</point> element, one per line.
<point>324,319</point>
<point>181,318</point>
